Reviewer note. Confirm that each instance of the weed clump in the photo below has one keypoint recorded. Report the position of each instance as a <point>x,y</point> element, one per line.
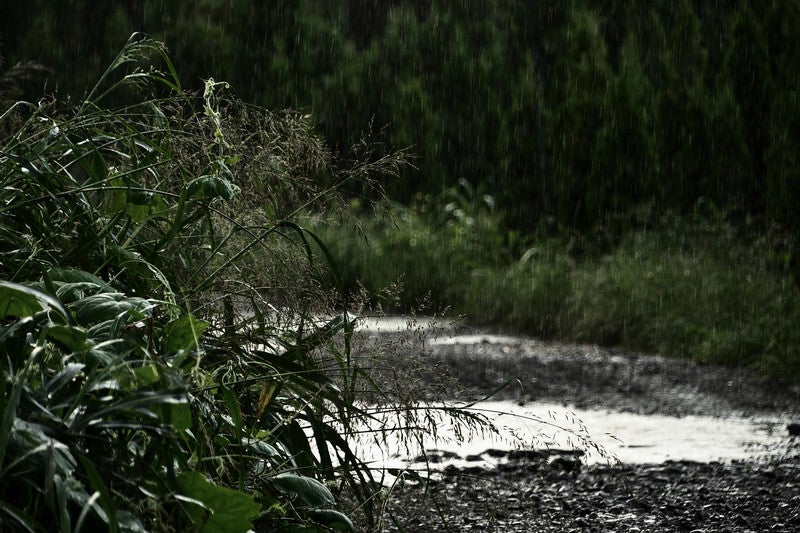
<point>695,286</point>
<point>175,346</point>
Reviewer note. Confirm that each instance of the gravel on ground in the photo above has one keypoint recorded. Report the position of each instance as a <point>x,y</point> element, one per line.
<point>541,491</point>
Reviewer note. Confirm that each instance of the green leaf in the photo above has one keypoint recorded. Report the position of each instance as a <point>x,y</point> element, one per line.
<point>332,519</point>
<point>106,306</point>
<point>65,376</point>
<point>73,337</point>
<point>106,501</point>
<point>180,416</point>
<point>9,417</point>
<point>20,301</point>
<point>140,401</point>
<point>223,510</point>
<point>146,375</point>
<point>295,439</point>
<point>73,275</point>
<point>308,491</point>
<point>234,409</point>
<point>211,186</point>
<point>116,200</point>
<point>182,333</point>
<point>32,443</point>
<point>259,447</point>
<point>138,212</point>
<point>69,292</point>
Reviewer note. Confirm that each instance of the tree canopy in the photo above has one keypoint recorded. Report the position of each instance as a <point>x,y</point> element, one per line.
<point>568,111</point>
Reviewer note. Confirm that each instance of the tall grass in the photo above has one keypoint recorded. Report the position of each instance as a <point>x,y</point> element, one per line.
<point>170,357</point>
<point>694,286</point>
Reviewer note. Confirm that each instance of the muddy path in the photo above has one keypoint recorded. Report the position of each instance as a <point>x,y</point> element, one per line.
<point>540,492</point>
<point>593,377</point>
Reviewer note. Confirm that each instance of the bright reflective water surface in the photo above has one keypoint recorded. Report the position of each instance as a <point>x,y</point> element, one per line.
<point>631,438</point>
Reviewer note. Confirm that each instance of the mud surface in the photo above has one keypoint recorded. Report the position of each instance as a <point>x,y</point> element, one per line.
<point>539,491</point>
<point>590,377</point>
<point>549,496</point>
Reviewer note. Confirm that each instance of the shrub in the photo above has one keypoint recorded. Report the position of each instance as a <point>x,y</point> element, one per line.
<point>169,358</point>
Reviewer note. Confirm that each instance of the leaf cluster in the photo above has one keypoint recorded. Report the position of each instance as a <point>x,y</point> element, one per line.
<point>164,364</point>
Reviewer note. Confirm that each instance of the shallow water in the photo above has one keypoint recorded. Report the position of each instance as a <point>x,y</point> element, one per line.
<point>628,437</point>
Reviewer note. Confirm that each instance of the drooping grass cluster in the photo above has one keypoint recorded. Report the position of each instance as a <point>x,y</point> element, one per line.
<point>175,353</point>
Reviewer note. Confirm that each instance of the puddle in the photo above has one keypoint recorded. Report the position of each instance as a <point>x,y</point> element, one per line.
<point>628,437</point>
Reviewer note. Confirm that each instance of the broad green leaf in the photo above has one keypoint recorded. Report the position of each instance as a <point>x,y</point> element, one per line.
<point>31,441</point>
<point>116,199</point>
<point>64,520</point>
<point>20,301</point>
<point>73,275</point>
<point>65,376</point>
<point>106,306</point>
<point>73,337</point>
<point>234,409</point>
<point>295,439</point>
<point>146,375</point>
<point>182,333</point>
<point>140,401</point>
<point>259,447</point>
<point>141,273</point>
<point>72,284</point>
<point>308,491</point>
<point>223,510</point>
<point>9,416</point>
<point>180,416</point>
<point>332,519</point>
<point>69,292</point>
<point>106,501</point>
<point>210,186</point>
<point>17,327</point>
<point>138,212</point>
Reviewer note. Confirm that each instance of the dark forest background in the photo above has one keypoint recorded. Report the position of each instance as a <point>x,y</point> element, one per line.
<point>569,112</point>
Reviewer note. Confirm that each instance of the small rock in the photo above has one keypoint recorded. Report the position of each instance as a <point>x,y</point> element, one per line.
<point>794,430</point>
<point>493,452</point>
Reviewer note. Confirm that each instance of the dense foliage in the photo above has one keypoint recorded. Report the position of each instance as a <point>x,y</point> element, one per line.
<point>168,359</point>
<point>693,286</point>
<point>568,110</point>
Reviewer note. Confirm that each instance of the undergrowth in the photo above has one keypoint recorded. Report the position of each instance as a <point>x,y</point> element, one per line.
<point>694,286</point>
<point>175,347</point>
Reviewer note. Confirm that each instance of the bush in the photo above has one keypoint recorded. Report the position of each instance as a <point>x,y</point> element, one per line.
<point>169,358</point>
<point>689,286</point>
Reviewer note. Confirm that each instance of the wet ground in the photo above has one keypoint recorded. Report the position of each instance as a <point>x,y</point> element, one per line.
<point>539,490</point>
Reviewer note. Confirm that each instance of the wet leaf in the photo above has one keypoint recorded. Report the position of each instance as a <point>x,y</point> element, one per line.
<point>106,306</point>
<point>217,509</point>
<point>308,491</point>
<point>20,301</point>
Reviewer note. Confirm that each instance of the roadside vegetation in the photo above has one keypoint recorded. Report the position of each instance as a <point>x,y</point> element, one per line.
<point>696,286</point>
<point>175,348</point>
